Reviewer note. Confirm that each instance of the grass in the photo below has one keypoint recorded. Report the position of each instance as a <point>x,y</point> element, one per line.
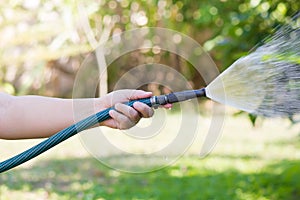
<point>247,163</point>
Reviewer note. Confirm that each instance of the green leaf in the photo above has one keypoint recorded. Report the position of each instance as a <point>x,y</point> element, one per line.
<point>252,118</point>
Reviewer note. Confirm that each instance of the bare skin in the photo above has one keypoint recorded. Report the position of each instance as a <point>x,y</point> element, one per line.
<point>39,117</point>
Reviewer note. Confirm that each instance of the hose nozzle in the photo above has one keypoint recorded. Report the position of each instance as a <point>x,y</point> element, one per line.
<point>177,97</point>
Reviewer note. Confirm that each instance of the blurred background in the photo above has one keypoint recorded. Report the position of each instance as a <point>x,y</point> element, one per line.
<point>43,44</point>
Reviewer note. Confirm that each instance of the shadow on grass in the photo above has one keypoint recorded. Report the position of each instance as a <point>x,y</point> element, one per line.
<point>86,178</point>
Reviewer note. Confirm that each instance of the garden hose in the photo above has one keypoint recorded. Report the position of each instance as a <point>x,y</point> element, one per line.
<point>90,121</point>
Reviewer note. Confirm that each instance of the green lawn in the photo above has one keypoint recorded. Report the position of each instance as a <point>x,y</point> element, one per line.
<point>247,163</point>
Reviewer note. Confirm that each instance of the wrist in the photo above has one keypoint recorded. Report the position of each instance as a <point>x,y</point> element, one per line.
<point>100,104</point>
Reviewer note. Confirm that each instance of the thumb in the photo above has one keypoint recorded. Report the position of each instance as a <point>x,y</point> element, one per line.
<point>139,94</point>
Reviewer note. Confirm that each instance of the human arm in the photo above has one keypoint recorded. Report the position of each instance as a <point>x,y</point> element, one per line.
<point>37,116</point>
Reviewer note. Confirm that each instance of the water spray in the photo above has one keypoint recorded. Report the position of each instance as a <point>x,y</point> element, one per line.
<point>266,82</point>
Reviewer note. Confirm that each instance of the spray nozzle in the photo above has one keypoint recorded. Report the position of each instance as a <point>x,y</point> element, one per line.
<point>177,97</point>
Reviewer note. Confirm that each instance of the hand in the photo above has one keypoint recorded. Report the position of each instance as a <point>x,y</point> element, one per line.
<point>125,117</point>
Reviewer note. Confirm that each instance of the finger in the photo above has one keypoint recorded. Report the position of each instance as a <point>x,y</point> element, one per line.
<point>168,106</point>
<point>121,121</point>
<point>139,94</point>
<point>128,111</point>
<point>111,123</point>
<point>143,109</point>
<point>125,95</point>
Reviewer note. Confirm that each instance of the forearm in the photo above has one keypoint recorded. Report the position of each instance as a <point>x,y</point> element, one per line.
<point>36,116</point>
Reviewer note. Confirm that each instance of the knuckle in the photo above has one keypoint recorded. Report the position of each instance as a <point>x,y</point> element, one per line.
<point>126,125</point>
<point>122,127</point>
<point>150,112</point>
<point>118,106</point>
<point>135,115</point>
<point>132,113</point>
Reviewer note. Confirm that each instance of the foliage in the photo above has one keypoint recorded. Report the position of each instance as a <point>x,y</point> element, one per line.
<point>41,42</point>
<point>38,42</point>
